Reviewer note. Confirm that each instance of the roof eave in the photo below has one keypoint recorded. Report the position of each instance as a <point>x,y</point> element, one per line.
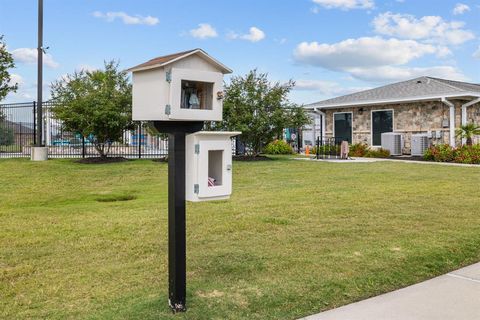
<point>225,69</point>
<point>391,101</point>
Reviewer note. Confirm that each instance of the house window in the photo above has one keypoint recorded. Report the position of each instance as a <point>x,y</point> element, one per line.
<point>382,121</point>
<point>343,126</point>
<point>196,95</point>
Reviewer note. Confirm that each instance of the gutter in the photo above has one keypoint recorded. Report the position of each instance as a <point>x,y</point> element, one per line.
<point>452,121</point>
<point>322,114</point>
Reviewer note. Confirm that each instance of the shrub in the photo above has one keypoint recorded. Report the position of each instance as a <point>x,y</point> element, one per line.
<point>440,153</point>
<point>377,153</point>
<point>278,147</point>
<point>358,150</point>
<point>445,153</point>
<point>468,154</point>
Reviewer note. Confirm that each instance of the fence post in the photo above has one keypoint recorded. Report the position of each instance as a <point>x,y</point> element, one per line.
<point>34,123</point>
<point>317,153</point>
<point>139,140</point>
<point>83,146</point>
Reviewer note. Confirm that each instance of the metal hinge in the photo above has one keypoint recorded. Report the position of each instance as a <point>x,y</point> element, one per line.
<point>196,188</point>
<point>197,149</point>
<point>168,109</point>
<point>168,76</point>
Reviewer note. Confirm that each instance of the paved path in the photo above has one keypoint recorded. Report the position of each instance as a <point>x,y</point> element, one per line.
<point>454,296</point>
<point>367,160</point>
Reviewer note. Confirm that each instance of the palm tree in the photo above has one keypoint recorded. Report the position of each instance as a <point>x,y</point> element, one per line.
<point>467,131</point>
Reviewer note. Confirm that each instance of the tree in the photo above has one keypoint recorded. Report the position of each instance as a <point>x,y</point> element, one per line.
<point>260,110</point>
<point>6,135</point>
<point>467,131</point>
<point>95,104</point>
<point>6,62</point>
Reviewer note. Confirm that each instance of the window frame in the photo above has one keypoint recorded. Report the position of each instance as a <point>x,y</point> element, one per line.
<point>371,124</point>
<point>343,112</point>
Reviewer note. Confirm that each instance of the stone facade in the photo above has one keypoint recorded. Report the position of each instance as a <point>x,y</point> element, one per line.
<point>408,118</point>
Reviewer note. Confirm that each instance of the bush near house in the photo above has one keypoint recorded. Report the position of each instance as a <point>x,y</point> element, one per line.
<point>377,153</point>
<point>445,153</point>
<point>278,147</point>
<point>358,150</point>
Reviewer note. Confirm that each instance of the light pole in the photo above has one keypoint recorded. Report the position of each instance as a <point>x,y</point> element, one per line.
<point>39,152</point>
<point>40,75</point>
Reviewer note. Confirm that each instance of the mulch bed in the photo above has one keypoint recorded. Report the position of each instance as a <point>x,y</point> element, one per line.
<point>98,160</point>
<point>410,158</point>
<point>247,158</point>
<point>161,160</point>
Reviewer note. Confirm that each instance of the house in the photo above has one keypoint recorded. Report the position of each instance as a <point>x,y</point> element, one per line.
<point>428,105</point>
<point>22,133</point>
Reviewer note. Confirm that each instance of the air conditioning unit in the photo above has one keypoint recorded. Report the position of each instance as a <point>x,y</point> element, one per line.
<point>392,142</point>
<point>420,144</point>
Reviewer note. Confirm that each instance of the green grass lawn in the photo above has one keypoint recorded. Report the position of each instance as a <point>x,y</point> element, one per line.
<point>296,237</point>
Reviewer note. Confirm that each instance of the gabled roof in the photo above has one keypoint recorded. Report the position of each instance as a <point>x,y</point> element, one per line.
<point>423,88</point>
<point>168,59</point>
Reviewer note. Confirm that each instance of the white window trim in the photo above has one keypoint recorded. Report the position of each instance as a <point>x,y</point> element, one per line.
<point>333,124</point>
<point>371,124</point>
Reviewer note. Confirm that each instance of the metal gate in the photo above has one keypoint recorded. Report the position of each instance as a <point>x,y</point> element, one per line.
<point>18,127</point>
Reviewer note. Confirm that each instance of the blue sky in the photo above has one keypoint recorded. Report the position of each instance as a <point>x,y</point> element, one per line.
<point>329,47</point>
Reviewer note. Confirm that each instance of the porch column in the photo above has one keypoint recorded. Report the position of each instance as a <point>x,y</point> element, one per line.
<point>452,121</point>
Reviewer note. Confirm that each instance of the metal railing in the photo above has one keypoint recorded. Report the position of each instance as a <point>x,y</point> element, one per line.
<point>327,148</point>
<point>18,125</point>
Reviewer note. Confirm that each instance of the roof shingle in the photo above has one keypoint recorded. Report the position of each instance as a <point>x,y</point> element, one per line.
<point>411,89</point>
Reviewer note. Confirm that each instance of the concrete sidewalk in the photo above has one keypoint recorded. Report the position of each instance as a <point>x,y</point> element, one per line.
<point>454,296</point>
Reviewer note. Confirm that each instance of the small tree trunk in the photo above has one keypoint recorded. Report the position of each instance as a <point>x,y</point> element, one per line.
<point>469,141</point>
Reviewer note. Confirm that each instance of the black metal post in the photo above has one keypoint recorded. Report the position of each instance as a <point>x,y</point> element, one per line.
<point>34,123</point>
<point>140,141</point>
<point>317,155</point>
<point>177,256</point>
<point>83,146</point>
<point>39,142</point>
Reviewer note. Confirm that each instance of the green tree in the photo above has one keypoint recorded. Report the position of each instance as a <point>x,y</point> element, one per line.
<point>6,63</point>
<point>95,104</point>
<point>260,110</point>
<point>467,131</point>
<point>6,135</point>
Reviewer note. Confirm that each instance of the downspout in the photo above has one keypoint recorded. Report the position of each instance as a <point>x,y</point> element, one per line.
<point>464,109</point>
<point>452,121</point>
<point>464,113</point>
<point>322,115</point>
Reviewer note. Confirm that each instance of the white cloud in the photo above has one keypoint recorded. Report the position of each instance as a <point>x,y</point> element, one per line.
<point>325,88</point>
<point>29,55</point>
<point>127,19</point>
<point>363,52</point>
<point>346,4</point>
<point>204,31</point>
<point>460,8</point>
<point>392,74</point>
<point>254,35</point>
<point>476,54</point>
<point>429,28</point>
<point>375,59</point>
<point>16,79</point>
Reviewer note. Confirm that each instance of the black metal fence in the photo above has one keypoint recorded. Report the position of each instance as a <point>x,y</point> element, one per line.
<point>327,148</point>
<point>17,136</point>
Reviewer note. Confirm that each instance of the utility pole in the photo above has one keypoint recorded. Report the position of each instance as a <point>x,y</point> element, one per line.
<point>40,75</point>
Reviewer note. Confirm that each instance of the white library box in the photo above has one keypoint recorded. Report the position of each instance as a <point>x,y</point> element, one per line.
<point>186,86</point>
<point>209,165</point>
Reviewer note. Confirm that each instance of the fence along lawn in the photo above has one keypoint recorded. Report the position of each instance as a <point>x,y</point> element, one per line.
<point>89,241</point>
